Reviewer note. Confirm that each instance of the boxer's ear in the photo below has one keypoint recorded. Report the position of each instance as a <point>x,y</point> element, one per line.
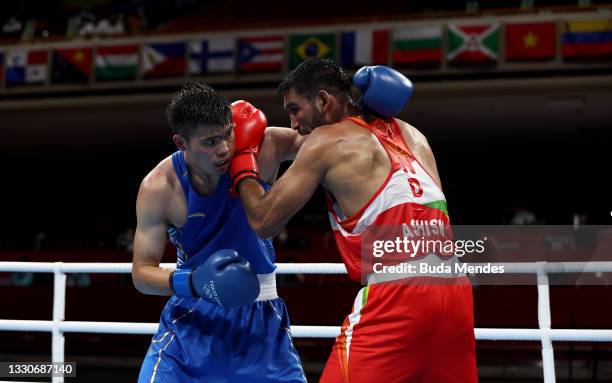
<point>323,100</point>
<point>179,141</point>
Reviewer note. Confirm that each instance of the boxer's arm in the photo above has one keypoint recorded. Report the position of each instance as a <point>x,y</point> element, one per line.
<point>289,141</point>
<point>278,145</point>
<point>269,212</point>
<point>150,240</point>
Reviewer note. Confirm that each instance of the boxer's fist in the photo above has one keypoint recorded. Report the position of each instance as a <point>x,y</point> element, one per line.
<point>224,278</point>
<point>384,90</point>
<point>249,126</point>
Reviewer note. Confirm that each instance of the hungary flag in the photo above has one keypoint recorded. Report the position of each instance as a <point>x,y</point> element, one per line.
<point>417,45</point>
<point>117,62</point>
<point>472,43</point>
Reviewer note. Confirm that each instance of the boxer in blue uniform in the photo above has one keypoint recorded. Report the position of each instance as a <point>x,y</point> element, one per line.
<point>224,321</point>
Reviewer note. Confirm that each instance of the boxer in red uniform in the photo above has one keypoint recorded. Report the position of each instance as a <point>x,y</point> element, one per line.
<point>378,171</point>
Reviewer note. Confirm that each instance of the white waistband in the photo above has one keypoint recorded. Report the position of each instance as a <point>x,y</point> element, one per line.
<point>267,287</point>
<point>435,267</point>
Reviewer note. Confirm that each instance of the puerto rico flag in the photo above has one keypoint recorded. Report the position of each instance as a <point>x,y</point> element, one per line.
<point>260,54</point>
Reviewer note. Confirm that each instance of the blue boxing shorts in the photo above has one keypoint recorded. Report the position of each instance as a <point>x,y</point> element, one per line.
<point>199,341</point>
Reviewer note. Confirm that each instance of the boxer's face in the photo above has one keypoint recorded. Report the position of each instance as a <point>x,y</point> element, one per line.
<point>305,115</point>
<point>209,149</point>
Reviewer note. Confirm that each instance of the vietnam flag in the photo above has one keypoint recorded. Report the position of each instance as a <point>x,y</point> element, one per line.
<point>72,65</point>
<point>531,41</point>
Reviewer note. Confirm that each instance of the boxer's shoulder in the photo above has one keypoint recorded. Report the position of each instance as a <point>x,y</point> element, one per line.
<point>347,136</point>
<point>160,184</point>
<point>419,146</point>
<point>279,142</point>
<point>414,139</point>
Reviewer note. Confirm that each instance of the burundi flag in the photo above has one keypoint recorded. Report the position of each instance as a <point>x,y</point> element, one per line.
<point>71,65</point>
<point>213,55</point>
<point>472,43</point>
<point>26,67</point>
<point>260,54</point>
<point>364,47</point>
<point>531,41</point>
<point>304,47</point>
<point>587,39</point>
<point>116,62</point>
<point>163,60</point>
<point>417,45</point>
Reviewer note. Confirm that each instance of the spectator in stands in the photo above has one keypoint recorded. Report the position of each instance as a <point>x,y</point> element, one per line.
<point>12,27</point>
<point>523,216</point>
<point>111,26</point>
<point>22,279</point>
<point>136,22</point>
<point>87,25</point>
<point>78,279</point>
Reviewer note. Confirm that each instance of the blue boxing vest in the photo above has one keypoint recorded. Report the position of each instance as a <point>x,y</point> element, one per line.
<point>216,222</point>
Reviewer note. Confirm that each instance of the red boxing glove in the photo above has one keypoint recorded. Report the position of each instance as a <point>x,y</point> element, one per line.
<point>249,126</point>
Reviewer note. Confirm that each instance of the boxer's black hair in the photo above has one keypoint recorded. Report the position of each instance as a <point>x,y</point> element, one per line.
<point>196,105</point>
<point>316,74</point>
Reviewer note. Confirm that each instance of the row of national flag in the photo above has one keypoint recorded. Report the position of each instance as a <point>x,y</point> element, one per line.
<point>428,46</point>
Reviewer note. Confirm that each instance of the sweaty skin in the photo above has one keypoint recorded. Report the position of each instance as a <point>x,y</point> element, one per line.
<point>161,200</point>
<point>345,158</point>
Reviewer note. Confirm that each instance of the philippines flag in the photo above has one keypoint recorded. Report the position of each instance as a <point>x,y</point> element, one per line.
<point>163,60</point>
<point>26,67</point>
<point>214,55</point>
<point>260,54</point>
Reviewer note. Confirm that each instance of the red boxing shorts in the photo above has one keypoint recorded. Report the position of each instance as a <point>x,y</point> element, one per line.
<point>415,330</point>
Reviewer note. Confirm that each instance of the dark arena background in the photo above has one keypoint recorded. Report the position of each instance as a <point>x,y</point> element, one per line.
<point>517,109</point>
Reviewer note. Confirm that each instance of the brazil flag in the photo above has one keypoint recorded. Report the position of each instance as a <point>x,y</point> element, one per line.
<point>304,47</point>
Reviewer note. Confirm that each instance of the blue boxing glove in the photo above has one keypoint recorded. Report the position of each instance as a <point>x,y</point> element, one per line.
<point>225,278</point>
<point>384,90</point>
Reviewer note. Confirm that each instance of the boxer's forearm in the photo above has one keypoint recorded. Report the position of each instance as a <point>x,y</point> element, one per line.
<point>260,209</point>
<point>151,280</point>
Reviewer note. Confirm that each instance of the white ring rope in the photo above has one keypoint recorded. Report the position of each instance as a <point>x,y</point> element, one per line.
<point>497,334</point>
<point>544,333</point>
<point>304,268</point>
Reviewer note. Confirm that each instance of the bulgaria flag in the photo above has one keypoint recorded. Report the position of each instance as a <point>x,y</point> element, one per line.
<point>364,47</point>
<point>117,62</point>
<point>417,45</point>
<point>472,43</point>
